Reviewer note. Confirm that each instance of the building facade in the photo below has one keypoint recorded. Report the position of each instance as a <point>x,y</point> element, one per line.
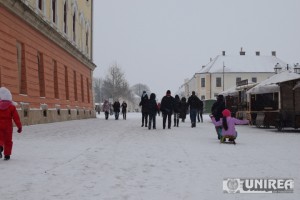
<point>46,58</point>
<point>224,71</point>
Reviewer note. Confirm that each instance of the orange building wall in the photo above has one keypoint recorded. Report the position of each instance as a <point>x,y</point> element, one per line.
<point>13,29</point>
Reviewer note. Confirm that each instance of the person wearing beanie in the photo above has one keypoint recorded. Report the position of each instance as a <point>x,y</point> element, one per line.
<point>143,104</point>
<point>167,107</point>
<point>194,103</point>
<point>8,114</point>
<point>152,111</point>
<point>228,125</point>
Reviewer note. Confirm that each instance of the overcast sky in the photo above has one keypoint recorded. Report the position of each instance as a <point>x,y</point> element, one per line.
<point>161,42</point>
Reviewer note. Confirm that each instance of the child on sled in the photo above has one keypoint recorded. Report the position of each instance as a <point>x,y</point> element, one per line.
<point>228,126</point>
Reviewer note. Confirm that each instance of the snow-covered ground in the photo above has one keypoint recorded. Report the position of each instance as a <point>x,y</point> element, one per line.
<point>100,159</point>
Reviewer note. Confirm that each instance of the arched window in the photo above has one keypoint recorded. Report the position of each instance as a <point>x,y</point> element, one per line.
<point>74,27</point>
<point>65,16</point>
<point>53,13</point>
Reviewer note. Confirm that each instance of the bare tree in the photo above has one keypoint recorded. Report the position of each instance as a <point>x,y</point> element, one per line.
<point>139,88</point>
<point>115,85</point>
<point>97,89</point>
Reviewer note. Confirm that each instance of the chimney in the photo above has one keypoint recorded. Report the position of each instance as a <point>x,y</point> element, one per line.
<point>203,66</point>
<point>242,53</point>
<point>210,59</point>
<point>257,53</point>
<point>274,53</point>
<point>223,53</point>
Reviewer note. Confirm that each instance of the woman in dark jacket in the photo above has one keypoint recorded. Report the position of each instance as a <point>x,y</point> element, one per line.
<point>152,110</point>
<point>116,107</point>
<point>183,109</point>
<point>177,108</point>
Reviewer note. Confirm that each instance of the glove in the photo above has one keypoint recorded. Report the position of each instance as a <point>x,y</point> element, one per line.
<point>19,130</point>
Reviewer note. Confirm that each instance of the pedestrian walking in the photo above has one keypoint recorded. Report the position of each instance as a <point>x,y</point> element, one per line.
<point>124,109</point>
<point>116,107</point>
<point>183,109</point>
<point>200,111</point>
<point>193,102</point>
<point>106,108</point>
<point>143,104</point>
<point>152,111</point>
<point>177,108</point>
<point>167,107</point>
<point>8,114</point>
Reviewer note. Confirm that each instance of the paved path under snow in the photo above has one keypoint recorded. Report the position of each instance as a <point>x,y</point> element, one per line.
<point>101,159</point>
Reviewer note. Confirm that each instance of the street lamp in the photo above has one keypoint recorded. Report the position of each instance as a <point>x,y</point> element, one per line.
<point>277,68</point>
<point>297,68</point>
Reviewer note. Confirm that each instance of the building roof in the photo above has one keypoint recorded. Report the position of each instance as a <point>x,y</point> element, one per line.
<point>242,63</point>
<point>270,85</point>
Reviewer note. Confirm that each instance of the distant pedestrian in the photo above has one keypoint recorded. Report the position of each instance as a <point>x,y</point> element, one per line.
<point>216,110</point>
<point>8,114</point>
<point>124,109</point>
<point>116,107</point>
<point>177,108</point>
<point>193,103</point>
<point>200,111</point>
<point>106,108</point>
<point>152,111</point>
<point>183,109</point>
<point>143,104</point>
<point>167,107</point>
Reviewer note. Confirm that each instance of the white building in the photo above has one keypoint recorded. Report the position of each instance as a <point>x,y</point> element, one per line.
<point>224,71</point>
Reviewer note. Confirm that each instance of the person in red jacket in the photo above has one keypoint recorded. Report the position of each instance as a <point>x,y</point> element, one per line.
<point>8,113</point>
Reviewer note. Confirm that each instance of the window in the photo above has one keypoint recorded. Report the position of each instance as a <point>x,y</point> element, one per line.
<point>55,79</point>
<point>40,4</point>
<point>254,80</point>
<point>238,79</point>
<point>202,97</point>
<point>21,68</point>
<point>88,89</point>
<point>87,41</point>
<point>41,73</point>
<point>74,26</point>
<point>54,11</point>
<point>75,86</point>
<point>67,83</point>
<point>65,17</point>
<point>202,82</point>
<point>82,89</point>
<point>218,82</point>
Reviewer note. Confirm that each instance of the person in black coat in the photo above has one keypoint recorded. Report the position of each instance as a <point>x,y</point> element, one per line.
<point>116,107</point>
<point>216,110</point>
<point>167,107</point>
<point>152,110</point>
<point>200,111</point>
<point>194,104</point>
<point>177,108</point>
<point>124,109</point>
<point>144,103</point>
<point>183,109</point>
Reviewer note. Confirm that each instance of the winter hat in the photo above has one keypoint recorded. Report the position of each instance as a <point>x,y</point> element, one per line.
<point>168,92</point>
<point>5,94</point>
<point>226,113</point>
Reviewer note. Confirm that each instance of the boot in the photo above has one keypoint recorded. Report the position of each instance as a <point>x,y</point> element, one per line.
<point>177,122</point>
<point>6,157</point>
<point>1,149</point>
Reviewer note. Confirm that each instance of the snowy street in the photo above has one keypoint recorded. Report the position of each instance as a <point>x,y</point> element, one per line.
<point>98,159</point>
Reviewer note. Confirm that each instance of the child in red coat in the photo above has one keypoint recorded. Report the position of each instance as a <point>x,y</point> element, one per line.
<point>8,112</point>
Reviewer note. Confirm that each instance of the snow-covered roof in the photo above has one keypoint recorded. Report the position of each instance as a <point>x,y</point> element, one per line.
<point>270,85</point>
<point>233,91</point>
<point>242,63</point>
